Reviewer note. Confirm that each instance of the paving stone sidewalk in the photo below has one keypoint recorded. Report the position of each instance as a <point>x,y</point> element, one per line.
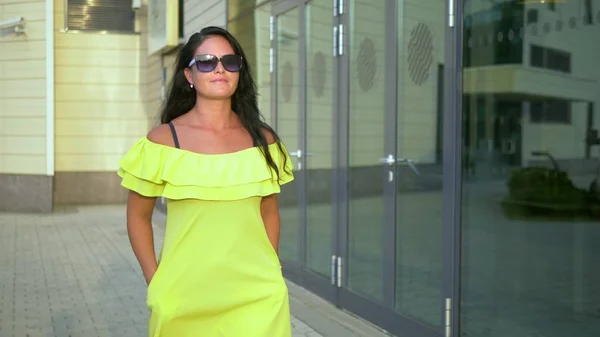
<point>72,274</point>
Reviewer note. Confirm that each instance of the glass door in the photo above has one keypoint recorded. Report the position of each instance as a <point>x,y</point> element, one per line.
<point>367,105</point>
<point>286,64</point>
<point>305,102</point>
<point>320,129</point>
<point>395,223</point>
<point>361,103</point>
<point>417,171</point>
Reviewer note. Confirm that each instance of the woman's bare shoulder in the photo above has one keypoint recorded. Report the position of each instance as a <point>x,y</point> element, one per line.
<point>161,135</point>
<point>269,135</point>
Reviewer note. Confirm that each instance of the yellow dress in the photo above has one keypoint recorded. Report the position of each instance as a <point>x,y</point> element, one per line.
<point>218,274</point>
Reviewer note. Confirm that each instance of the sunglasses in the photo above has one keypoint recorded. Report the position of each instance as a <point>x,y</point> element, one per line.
<point>206,62</point>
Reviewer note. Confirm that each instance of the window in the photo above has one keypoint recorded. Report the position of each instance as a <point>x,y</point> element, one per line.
<point>532,16</point>
<point>537,56</point>
<point>100,15</point>
<point>551,59</point>
<point>551,112</point>
<point>181,19</point>
<point>492,36</point>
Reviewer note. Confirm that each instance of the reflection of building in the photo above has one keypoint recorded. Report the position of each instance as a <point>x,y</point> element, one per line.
<point>523,67</point>
<point>383,219</point>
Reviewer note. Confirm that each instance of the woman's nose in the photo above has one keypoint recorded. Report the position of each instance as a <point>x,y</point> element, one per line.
<point>219,68</point>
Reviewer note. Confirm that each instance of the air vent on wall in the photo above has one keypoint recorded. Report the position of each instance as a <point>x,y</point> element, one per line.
<point>100,15</point>
<point>420,53</point>
<point>366,64</point>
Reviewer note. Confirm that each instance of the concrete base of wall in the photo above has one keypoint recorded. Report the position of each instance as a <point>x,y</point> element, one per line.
<point>25,193</point>
<point>88,188</point>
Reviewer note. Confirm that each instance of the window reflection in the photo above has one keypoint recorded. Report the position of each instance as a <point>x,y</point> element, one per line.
<point>531,165</point>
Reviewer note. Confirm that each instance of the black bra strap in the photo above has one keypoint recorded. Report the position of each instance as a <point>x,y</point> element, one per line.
<point>174,134</point>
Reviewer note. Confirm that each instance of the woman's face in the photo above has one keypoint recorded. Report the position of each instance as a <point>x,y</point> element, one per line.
<point>217,83</point>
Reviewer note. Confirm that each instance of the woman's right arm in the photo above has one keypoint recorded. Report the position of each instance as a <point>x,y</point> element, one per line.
<point>139,215</point>
<point>139,229</point>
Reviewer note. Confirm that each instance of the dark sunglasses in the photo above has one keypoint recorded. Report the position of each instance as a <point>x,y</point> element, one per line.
<point>206,62</point>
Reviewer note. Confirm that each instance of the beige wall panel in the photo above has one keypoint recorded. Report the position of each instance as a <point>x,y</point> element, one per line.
<point>23,163</point>
<point>101,127</point>
<point>84,145</point>
<point>98,75</point>
<point>87,162</point>
<point>97,57</point>
<point>16,107</point>
<point>23,70</point>
<point>23,50</point>
<point>19,2</point>
<point>24,145</point>
<point>98,92</point>
<point>23,126</point>
<point>101,94</point>
<point>36,10</point>
<point>117,42</point>
<point>23,90</point>
<point>72,110</point>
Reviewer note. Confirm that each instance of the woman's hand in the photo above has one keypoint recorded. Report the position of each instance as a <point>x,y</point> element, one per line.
<point>149,275</point>
<point>141,236</point>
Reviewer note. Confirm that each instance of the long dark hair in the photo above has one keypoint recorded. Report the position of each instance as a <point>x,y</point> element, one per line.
<point>181,98</point>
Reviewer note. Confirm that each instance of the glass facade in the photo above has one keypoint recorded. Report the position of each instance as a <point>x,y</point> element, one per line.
<point>446,165</point>
<point>530,221</point>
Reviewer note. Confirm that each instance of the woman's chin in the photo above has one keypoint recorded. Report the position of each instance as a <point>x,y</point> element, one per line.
<point>218,95</point>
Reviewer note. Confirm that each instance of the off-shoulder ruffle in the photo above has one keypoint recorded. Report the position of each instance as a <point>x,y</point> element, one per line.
<point>154,170</point>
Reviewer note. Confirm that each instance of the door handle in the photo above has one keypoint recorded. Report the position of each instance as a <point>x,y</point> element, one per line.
<point>390,159</point>
<point>298,154</point>
<point>411,164</point>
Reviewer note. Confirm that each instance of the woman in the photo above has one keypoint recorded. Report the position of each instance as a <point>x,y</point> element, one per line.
<point>220,168</point>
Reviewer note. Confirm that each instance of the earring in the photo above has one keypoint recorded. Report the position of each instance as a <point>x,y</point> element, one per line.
<point>191,85</point>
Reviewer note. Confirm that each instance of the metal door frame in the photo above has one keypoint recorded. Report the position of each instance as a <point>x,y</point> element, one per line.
<point>297,272</point>
<point>452,160</point>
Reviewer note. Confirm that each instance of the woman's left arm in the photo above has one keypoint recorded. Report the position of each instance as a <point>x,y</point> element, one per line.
<point>269,211</point>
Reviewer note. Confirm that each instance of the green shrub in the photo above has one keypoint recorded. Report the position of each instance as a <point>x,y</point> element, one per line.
<point>547,194</point>
<point>545,187</point>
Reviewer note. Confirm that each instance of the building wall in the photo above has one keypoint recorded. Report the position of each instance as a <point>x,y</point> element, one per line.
<point>566,141</point>
<point>563,29</point>
<point>153,79</point>
<point>202,13</point>
<point>103,106</point>
<point>109,93</point>
<point>250,26</point>
<point>25,170</point>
